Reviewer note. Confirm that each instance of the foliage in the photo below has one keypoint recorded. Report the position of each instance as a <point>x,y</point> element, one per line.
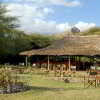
<point>16,41</point>
<point>92,31</point>
<point>7,30</point>
<point>41,41</point>
<point>6,22</point>
<point>6,77</point>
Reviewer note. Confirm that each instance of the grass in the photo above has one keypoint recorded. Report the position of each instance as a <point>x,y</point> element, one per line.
<point>45,88</point>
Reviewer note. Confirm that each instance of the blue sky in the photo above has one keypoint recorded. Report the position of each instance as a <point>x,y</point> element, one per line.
<point>55,16</point>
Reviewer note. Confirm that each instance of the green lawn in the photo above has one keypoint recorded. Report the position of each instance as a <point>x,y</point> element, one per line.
<point>45,88</point>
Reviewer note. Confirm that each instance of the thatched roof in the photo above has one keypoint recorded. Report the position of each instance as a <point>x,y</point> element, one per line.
<point>70,45</point>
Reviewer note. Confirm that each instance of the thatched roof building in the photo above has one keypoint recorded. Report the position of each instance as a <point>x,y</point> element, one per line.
<point>70,45</point>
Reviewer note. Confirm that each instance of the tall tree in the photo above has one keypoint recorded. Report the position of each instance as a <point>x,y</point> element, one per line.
<point>7,25</point>
<point>6,22</point>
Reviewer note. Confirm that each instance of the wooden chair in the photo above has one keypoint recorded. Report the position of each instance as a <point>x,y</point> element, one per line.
<point>98,81</point>
<point>89,81</point>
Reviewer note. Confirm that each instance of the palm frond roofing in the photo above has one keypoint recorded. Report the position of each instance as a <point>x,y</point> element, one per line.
<point>70,45</point>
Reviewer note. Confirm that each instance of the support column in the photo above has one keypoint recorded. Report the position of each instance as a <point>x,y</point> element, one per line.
<point>94,62</point>
<point>55,70</point>
<point>26,60</point>
<point>69,63</point>
<point>48,63</point>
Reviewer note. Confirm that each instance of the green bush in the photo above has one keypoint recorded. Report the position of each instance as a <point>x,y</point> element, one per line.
<point>9,80</point>
<point>6,77</point>
<point>93,73</point>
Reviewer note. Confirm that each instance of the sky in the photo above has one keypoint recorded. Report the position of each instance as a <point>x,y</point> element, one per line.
<point>54,16</point>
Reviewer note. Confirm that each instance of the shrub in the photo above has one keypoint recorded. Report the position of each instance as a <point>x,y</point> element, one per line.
<point>9,80</point>
<point>66,81</point>
<point>93,73</point>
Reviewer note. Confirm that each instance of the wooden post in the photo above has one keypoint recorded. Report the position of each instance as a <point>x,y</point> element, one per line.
<point>60,70</point>
<point>94,62</point>
<point>55,70</point>
<point>84,81</point>
<point>75,62</point>
<point>26,60</point>
<point>48,63</point>
<point>69,63</point>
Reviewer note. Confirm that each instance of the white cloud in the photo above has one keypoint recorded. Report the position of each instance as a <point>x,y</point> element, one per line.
<point>59,2</point>
<point>65,3</point>
<point>24,10</point>
<point>84,26</point>
<point>32,18</point>
<point>42,26</point>
<point>48,10</point>
<point>73,3</point>
<point>27,14</point>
